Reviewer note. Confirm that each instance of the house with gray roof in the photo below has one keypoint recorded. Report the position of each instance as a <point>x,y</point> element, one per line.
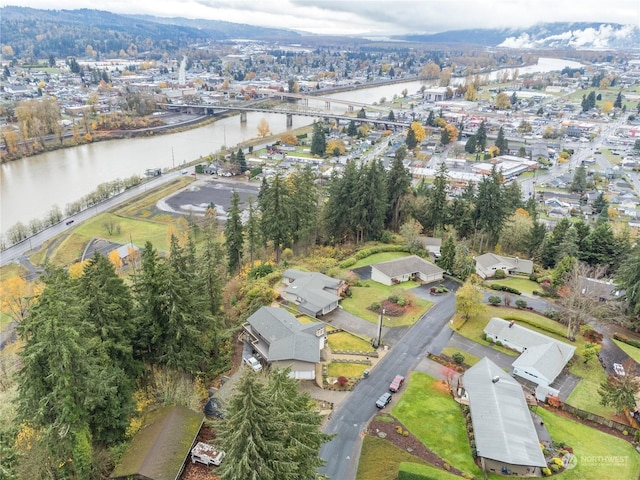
<point>282,341</point>
<point>542,358</point>
<point>506,439</point>
<point>404,269</point>
<point>313,292</point>
<point>488,263</point>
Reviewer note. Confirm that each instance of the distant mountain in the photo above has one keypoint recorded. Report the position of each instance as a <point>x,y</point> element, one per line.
<point>559,35</point>
<point>63,33</point>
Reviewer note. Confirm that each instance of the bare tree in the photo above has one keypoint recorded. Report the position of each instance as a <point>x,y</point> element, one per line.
<point>580,297</point>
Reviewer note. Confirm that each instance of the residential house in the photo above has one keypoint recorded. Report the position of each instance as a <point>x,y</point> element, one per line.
<point>128,253</point>
<point>160,448</point>
<point>313,292</point>
<point>282,341</point>
<point>506,439</point>
<point>488,263</point>
<point>432,245</point>
<point>542,358</point>
<point>603,290</point>
<point>405,269</point>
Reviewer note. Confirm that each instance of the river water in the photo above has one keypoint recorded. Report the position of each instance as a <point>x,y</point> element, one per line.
<point>31,186</point>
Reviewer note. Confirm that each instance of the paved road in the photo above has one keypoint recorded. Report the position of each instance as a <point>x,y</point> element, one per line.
<point>350,419</point>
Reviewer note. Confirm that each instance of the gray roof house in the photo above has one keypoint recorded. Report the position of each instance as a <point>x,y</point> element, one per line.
<point>313,292</point>
<point>543,357</point>
<point>506,439</point>
<point>404,269</point>
<point>283,341</point>
<point>488,263</point>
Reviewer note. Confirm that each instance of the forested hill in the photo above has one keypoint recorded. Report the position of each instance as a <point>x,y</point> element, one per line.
<point>63,33</point>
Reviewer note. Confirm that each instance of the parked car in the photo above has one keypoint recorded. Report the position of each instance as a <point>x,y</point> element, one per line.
<point>253,363</point>
<point>384,400</point>
<point>396,384</point>
<point>619,369</point>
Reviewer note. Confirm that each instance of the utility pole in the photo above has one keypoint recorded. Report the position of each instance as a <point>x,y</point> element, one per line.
<point>380,328</point>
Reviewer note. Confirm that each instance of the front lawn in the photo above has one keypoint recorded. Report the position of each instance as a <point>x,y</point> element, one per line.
<point>380,459</point>
<point>373,292</point>
<point>599,455</point>
<point>519,283</point>
<point>469,359</point>
<point>630,350</point>
<point>349,370</point>
<point>428,411</point>
<point>345,341</point>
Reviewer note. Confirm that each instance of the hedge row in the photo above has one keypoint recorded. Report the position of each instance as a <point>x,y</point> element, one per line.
<point>504,288</point>
<point>536,325</point>
<point>628,341</point>
<point>367,252</point>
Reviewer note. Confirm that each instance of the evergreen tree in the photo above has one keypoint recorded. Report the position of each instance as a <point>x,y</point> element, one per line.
<point>361,113</point>
<point>490,211</point>
<point>618,101</point>
<point>302,436</point>
<point>447,254</point>
<point>252,230</point>
<point>628,278</point>
<point>318,140</point>
<point>391,117</point>
<point>398,183</point>
<point>437,214</point>
<point>600,247</point>
<point>352,130</point>
<point>463,262</point>
<point>371,204</point>
<point>481,138</point>
<point>600,203</point>
<point>233,234</point>
<point>502,143</point>
<point>569,245</point>
<point>275,208</point>
<point>536,238</point>
<point>242,162</point>
<point>252,435</point>
<point>304,205</point>
<point>512,197</point>
<point>579,182</point>
<point>431,118</point>
<point>411,141</point>
<point>444,136</point>
<point>340,207</point>
<point>470,146</point>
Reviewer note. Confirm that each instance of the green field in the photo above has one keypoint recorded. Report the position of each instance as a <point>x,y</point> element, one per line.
<point>362,297</point>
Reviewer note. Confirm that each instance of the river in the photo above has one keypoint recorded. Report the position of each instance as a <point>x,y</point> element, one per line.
<point>31,186</point>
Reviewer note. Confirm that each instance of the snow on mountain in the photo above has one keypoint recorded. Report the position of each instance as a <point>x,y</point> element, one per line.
<point>602,36</point>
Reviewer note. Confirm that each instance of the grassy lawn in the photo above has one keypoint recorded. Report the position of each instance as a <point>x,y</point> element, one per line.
<point>380,460</point>
<point>11,270</point>
<point>429,412</point>
<point>140,207</point>
<point>585,396</point>
<point>378,258</point>
<point>630,350</point>
<point>469,359</point>
<point>599,455</point>
<point>519,283</point>
<point>347,342</point>
<point>349,370</point>
<point>4,320</point>
<point>474,328</point>
<point>139,231</point>
<point>363,297</point>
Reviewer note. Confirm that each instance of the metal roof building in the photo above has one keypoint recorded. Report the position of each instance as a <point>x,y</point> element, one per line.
<point>506,438</point>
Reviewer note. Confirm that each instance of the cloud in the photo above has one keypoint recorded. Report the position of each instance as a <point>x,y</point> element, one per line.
<point>357,17</point>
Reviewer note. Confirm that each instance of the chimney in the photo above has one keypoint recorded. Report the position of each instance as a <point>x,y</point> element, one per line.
<point>495,379</point>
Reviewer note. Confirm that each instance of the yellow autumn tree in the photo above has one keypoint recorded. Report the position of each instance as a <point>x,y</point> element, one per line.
<point>453,132</point>
<point>114,258</point>
<point>493,151</point>
<point>17,296</point>
<point>471,94</point>
<point>419,131</point>
<point>607,107</point>
<point>288,139</point>
<point>503,102</point>
<point>77,269</point>
<point>263,127</point>
<point>335,147</point>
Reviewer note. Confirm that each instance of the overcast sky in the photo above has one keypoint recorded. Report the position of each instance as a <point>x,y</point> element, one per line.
<point>368,17</point>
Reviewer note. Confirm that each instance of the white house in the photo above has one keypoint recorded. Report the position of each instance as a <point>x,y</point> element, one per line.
<point>488,263</point>
<point>543,357</point>
<point>432,245</point>
<point>405,269</point>
<point>506,439</point>
<point>283,341</point>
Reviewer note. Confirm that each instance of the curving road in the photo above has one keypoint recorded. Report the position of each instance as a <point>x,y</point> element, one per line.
<point>349,421</point>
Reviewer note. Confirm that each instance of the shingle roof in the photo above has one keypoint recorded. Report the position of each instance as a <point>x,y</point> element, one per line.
<point>286,336</point>
<point>310,288</point>
<point>407,265</point>
<point>159,449</point>
<point>502,423</point>
<point>488,260</point>
<point>546,359</point>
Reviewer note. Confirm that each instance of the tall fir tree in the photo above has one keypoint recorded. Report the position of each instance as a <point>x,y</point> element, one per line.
<point>275,209</point>
<point>398,183</point>
<point>502,143</point>
<point>233,234</point>
<point>318,140</point>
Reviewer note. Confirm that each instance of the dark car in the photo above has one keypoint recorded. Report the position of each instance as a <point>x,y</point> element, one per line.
<point>384,400</point>
<point>396,384</point>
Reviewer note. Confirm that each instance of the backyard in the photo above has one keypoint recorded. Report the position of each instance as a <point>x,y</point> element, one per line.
<point>378,258</point>
<point>373,292</point>
<point>521,284</point>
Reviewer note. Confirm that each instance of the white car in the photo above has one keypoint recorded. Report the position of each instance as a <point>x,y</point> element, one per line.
<point>253,363</point>
<point>619,369</point>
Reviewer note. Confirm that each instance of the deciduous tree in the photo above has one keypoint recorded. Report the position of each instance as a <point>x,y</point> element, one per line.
<point>469,301</point>
<point>263,127</point>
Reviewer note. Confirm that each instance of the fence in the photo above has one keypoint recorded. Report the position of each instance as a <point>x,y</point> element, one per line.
<point>592,417</point>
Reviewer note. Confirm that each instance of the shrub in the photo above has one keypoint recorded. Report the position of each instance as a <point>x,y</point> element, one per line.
<point>349,262</point>
<point>393,298</point>
<point>521,303</point>
<point>504,288</point>
<point>499,275</point>
<point>405,433</point>
<point>375,306</point>
<point>399,430</point>
<point>495,300</point>
<point>533,277</point>
<point>261,271</point>
<point>342,381</point>
<point>458,358</point>
<point>546,472</point>
<point>591,335</point>
<point>552,314</point>
<point>401,302</point>
<point>554,468</point>
<point>557,461</point>
<point>386,237</point>
<point>498,343</point>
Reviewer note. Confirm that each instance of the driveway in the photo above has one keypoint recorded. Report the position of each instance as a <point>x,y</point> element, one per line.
<point>363,273</point>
